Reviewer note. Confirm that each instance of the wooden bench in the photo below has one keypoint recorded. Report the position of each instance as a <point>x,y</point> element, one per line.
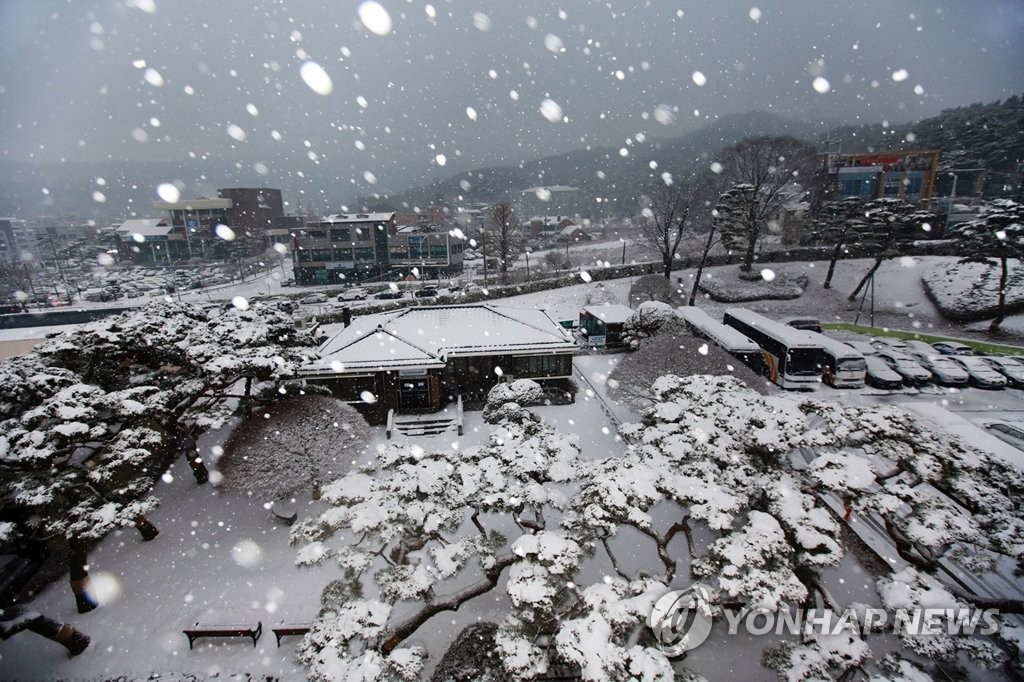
<point>286,630</point>
<point>196,631</point>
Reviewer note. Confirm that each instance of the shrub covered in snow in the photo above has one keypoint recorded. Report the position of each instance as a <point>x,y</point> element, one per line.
<point>506,400</point>
<point>650,319</point>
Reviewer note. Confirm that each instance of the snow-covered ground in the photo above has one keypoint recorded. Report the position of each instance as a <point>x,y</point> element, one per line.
<point>224,557</point>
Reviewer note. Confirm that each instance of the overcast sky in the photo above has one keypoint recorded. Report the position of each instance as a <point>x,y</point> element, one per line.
<point>456,84</point>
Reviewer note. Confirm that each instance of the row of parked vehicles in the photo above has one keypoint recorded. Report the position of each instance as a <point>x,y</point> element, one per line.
<point>894,362</point>
<point>797,355</point>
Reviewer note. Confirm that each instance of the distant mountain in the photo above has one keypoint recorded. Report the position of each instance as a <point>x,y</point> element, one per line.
<point>609,180</point>
<point>989,136</point>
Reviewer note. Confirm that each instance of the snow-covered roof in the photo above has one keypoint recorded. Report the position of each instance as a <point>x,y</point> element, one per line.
<point>200,204</point>
<point>147,227</point>
<point>426,336</point>
<point>791,336</point>
<point>610,313</point>
<point>358,218</point>
<point>550,188</point>
<point>571,229</point>
<point>727,337</point>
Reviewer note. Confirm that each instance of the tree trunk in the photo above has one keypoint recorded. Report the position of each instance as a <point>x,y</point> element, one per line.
<point>79,574</point>
<point>146,528</point>
<point>832,266</point>
<point>867,278</point>
<point>1001,306</point>
<point>16,619</point>
<point>700,266</point>
<point>748,257</point>
<point>667,261</point>
<point>452,603</point>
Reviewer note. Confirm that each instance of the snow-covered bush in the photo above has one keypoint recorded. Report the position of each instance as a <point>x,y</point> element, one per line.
<point>507,400</point>
<point>650,319</point>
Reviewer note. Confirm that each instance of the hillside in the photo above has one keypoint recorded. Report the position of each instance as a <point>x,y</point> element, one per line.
<point>975,136</point>
<point>604,173</point>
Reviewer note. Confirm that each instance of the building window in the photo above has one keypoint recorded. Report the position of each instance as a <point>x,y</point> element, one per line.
<point>304,256</point>
<point>341,234</point>
<point>343,254</point>
<point>438,251</point>
<point>362,234</point>
<point>364,253</point>
<point>542,365</point>
<point>417,246</point>
<point>321,255</point>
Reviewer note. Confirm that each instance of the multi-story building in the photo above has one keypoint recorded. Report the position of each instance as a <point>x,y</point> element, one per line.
<point>254,215</point>
<point>151,240</point>
<point>433,254</point>
<point>197,220</point>
<point>11,240</point>
<point>431,216</point>
<point>908,175</point>
<point>341,248</point>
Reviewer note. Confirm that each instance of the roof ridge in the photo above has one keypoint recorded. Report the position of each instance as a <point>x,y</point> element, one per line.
<point>543,312</point>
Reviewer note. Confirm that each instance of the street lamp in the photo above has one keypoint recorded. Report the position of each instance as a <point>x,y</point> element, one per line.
<point>623,250</point>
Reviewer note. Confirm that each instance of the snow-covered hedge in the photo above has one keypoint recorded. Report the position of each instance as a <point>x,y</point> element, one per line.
<point>969,291</point>
<point>730,287</point>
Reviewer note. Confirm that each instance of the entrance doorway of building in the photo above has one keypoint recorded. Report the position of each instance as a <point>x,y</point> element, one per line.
<point>416,393</point>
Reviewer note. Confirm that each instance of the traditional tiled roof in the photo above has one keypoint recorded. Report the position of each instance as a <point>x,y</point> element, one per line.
<point>426,336</point>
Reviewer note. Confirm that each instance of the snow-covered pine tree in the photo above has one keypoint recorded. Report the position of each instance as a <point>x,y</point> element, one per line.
<point>995,237</point>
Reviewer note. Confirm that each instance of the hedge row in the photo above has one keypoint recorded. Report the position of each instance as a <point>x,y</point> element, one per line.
<point>796,254</point>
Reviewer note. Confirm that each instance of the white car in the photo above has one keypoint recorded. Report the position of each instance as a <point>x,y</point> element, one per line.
<point>913,373</point>
<point>353,294</point>
<point>1009,368</point>
<point>313,298</point>
<point>945,371</point>
<point>983,375</point>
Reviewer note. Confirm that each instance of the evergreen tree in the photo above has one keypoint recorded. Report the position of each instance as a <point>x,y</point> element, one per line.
<point>833,225</point>
<point>889,226</point>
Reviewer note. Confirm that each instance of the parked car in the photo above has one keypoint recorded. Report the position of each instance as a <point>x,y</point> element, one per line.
<point>288,283</point>
<point>943,369</point>
<point>811,324</point>
<point>426,292</point>
<point>1008,433</point>
<point>880,375</point>
<point>952,348</point>
<point>913,373</point>
<point>389,294</point>
<point>890,342</point>
<point>353,294</point>
<point>862,347</point>
<point>982,374</point>
<point>1009,368</point>
<point>313,298</point>
<point>919,348</point>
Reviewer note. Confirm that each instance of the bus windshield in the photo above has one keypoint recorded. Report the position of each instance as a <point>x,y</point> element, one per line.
<point>803,361</point>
